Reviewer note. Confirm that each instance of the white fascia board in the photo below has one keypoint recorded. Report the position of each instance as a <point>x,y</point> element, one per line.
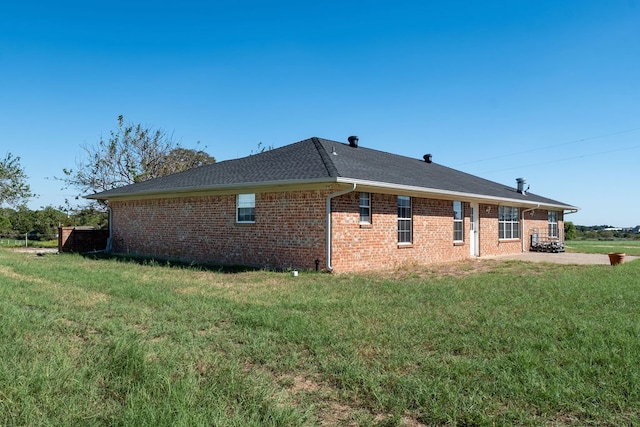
<point>452,195</point>
<point>391,188</point>
<point>202,189</point>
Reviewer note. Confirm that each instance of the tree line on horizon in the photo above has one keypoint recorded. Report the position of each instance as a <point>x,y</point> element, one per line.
<point>132,153</point>
<point>599,232</point>
<point>43,224</point>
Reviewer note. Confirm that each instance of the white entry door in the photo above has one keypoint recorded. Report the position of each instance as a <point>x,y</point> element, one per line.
<point>474,225</point>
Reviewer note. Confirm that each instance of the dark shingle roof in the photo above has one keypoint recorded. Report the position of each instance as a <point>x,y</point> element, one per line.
<point>321,160</point>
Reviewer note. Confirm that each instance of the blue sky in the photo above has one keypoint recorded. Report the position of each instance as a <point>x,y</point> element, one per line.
<point>543,89</point>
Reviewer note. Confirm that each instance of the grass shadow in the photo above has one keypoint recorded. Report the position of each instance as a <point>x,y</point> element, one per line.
<point>152,261</point>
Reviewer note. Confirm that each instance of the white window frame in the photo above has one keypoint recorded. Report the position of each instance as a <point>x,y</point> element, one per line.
<point>405,221</point>
<point>365,208</point>
<point>458,221</point>
<point>246,203</point>
<point>508,223</point>
<point>552,217</point>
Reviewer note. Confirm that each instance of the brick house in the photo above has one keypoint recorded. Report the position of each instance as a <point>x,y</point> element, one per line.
<point>321,204</point>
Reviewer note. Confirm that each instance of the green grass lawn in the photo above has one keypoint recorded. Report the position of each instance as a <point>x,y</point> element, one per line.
<point>629,247</point>
<point>108,342</point>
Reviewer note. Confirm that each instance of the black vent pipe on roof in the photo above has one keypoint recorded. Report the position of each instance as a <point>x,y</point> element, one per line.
<point>353,141</point>
<point>520,182</point>
<point>427,158</point>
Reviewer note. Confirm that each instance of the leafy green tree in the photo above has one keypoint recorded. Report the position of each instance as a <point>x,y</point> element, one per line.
<point>21,220</point>
<point>570,232</point>
<point>5,223</point>
<point>89,216</point>
<point>181,159</point>
<point>132,153</point>
<point>46,221</point>
<point>591,235</point>
<point>606,234</point>
<point>14,189</point>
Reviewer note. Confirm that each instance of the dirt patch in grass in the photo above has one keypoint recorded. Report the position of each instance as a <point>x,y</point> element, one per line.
<point>331,411</point>
<point>37,251</point>
<point>462,268</point>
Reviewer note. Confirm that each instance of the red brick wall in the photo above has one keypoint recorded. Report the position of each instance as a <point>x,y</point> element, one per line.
<point>290,231</point>
<point>360,247</point>
<point>491,245</point>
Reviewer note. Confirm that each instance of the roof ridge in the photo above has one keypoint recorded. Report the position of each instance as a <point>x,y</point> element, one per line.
<point>332,170</point>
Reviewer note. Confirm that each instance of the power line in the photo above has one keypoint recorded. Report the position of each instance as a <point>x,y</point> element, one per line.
<point>565,159</point>
<point>548,147</point>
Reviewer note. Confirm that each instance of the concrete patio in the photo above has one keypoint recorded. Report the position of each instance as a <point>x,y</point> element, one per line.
<point>562,258</point>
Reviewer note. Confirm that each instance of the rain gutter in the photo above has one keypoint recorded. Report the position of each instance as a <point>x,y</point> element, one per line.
<point>522,235</point>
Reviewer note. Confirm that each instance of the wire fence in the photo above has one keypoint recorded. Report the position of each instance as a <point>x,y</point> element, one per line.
<point>15,239</point>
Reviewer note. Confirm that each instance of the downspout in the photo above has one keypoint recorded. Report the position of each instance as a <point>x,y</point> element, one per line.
<point>526,210</point>
<point>329,197</point>
<point>109,244</point>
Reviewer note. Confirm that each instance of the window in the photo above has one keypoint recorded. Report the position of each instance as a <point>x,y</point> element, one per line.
<point>553,223</point>
<point>246,208</point>
<point>404,219</point>
<point>508,224</point>
<point>365,208</point>
<point>458,222</point>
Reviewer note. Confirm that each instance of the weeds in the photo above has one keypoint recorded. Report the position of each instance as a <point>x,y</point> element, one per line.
<point>111,342</point>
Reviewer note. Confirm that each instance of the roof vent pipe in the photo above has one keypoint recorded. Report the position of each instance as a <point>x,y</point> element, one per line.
<point>427,158</point>
<point>521,182</point>
<point>353,141</point>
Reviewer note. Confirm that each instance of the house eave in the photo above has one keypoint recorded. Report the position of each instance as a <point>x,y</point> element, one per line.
<point>382,187</point>
<point>219,188</point>
<point>450,195</point>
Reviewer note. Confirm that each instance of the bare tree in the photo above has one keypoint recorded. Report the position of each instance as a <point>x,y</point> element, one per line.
<point>132,153</point>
